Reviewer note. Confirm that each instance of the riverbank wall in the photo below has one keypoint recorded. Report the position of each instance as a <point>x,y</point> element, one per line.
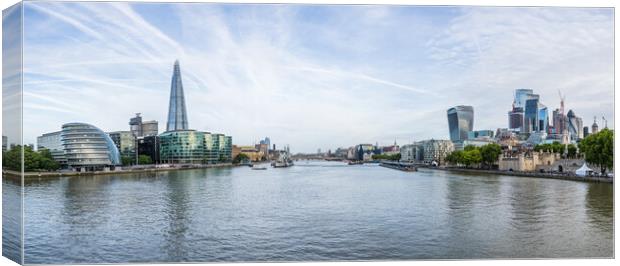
<point>595,179</point>
<point>37,175</point>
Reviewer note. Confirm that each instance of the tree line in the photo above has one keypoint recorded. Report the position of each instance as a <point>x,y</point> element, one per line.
<point>599,149</point>
<point>485,156</point>
<point>41,160</point>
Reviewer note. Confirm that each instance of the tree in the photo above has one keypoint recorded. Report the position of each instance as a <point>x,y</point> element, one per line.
<point>144,159</point>
<point>599,149</point>
<point>471,157</point>
<point>127,160</point>
<point>572,151</point>
<point>490,153</point>
<point>455,157</point>
<point>33,161</point>
<point>241,157</point>
<point>12,159</point>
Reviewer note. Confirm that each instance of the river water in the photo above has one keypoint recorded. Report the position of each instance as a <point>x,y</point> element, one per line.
<point>313,211</point>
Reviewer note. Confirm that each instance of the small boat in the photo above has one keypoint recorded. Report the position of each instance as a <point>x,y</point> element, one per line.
<point>355,162</point>
<point>256,167</point>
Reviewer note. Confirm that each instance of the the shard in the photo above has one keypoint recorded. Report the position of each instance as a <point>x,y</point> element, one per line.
<point>177,114</point>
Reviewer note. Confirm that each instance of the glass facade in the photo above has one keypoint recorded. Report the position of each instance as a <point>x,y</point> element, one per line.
<point>460,121</point>
<point>212,148</point>
<point>125,142</point>
<point>226,148</point>
<point>177,114</point>
<point>53,142</point>
<point>531,116</point>
<point>536,116</point>
<point>521,96</point>
<point>87,148</point>
<point>182,146</point>
<point>149,146</point>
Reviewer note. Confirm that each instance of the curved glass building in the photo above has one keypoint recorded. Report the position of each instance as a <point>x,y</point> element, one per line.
<point>88,148</point>
<point>460,122</point>
<point>182,146</point>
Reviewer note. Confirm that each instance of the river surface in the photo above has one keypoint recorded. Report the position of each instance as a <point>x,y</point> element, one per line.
<point>313,211</point>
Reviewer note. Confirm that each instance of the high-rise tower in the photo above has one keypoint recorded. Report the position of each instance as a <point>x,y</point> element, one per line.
<point>460,121</point>
<point>177,114</point>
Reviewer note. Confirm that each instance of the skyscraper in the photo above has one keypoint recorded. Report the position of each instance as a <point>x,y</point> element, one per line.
<point>575,126</point>
<point>460,121</point>
<point>177,114</point>
<point>522,95</point>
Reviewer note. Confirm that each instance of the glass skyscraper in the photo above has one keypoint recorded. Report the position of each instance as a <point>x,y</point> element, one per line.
<point>460,122</point>
<point>177,113</point>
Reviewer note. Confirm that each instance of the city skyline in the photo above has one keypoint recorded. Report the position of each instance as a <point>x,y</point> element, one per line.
<point>250,75</point>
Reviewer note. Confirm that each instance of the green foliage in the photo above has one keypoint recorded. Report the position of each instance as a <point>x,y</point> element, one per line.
<point>472,155</point>
<point>144,159</point>
<point>241,157</point>
<point>470,148</point>
<point>490,153</point>
<point>557,147</point>
<point>599,149</point>
<point>33,160</point>
<point>393,157</point>
<point>127,160</point>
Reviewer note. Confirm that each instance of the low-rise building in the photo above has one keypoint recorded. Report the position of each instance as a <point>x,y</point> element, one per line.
<point>53,142</point>
<point>526,161</point>
<point>434,151</point>
<point>149,146</point>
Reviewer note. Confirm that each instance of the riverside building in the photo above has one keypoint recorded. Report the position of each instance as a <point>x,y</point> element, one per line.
<point>52,142</point>
<point>88,148</point>
<point>460,121</point>
<point>125,141</point>
<point>181,145</point>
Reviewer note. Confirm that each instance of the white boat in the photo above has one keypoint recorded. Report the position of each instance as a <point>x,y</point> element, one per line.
<point>256,167</point>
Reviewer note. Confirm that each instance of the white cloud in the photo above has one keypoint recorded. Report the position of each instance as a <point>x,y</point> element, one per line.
<point>345,76</point>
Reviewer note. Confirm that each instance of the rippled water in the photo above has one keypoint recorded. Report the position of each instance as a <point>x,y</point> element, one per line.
<point>313,211</point>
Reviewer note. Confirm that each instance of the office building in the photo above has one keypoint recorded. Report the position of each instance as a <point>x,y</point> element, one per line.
<point>515,119</point>
<point>149,146</point>
<point>177,113</point>
<point>411,153</point>
<point>141,128</point>
<point>480,134</point>
<point>434,151</point>
<point>264,148</point>
<point>182,147</point>
<point>225,148</point>
<point>125,141</point>
<point>88,148</point>
<point>521,96</point>
<point>575,126</point>
<point>267,142</point>
<point>518,115</point>
<point>460,121</point>
<point>585,132</point>
<point>536,115</point>
<point>212,148</point>
<point>53,142</point>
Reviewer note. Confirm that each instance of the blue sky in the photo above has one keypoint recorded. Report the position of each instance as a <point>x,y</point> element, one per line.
<point>312,76</point>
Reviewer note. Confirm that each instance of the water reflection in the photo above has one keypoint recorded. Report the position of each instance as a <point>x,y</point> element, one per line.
<point>313,213</point>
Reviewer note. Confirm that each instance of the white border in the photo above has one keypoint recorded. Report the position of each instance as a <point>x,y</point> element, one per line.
<point>591,3</point>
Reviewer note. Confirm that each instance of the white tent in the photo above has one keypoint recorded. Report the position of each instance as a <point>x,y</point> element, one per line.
<point>583,171</point>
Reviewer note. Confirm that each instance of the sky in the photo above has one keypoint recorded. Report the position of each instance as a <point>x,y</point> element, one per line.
<point>310,76</point>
